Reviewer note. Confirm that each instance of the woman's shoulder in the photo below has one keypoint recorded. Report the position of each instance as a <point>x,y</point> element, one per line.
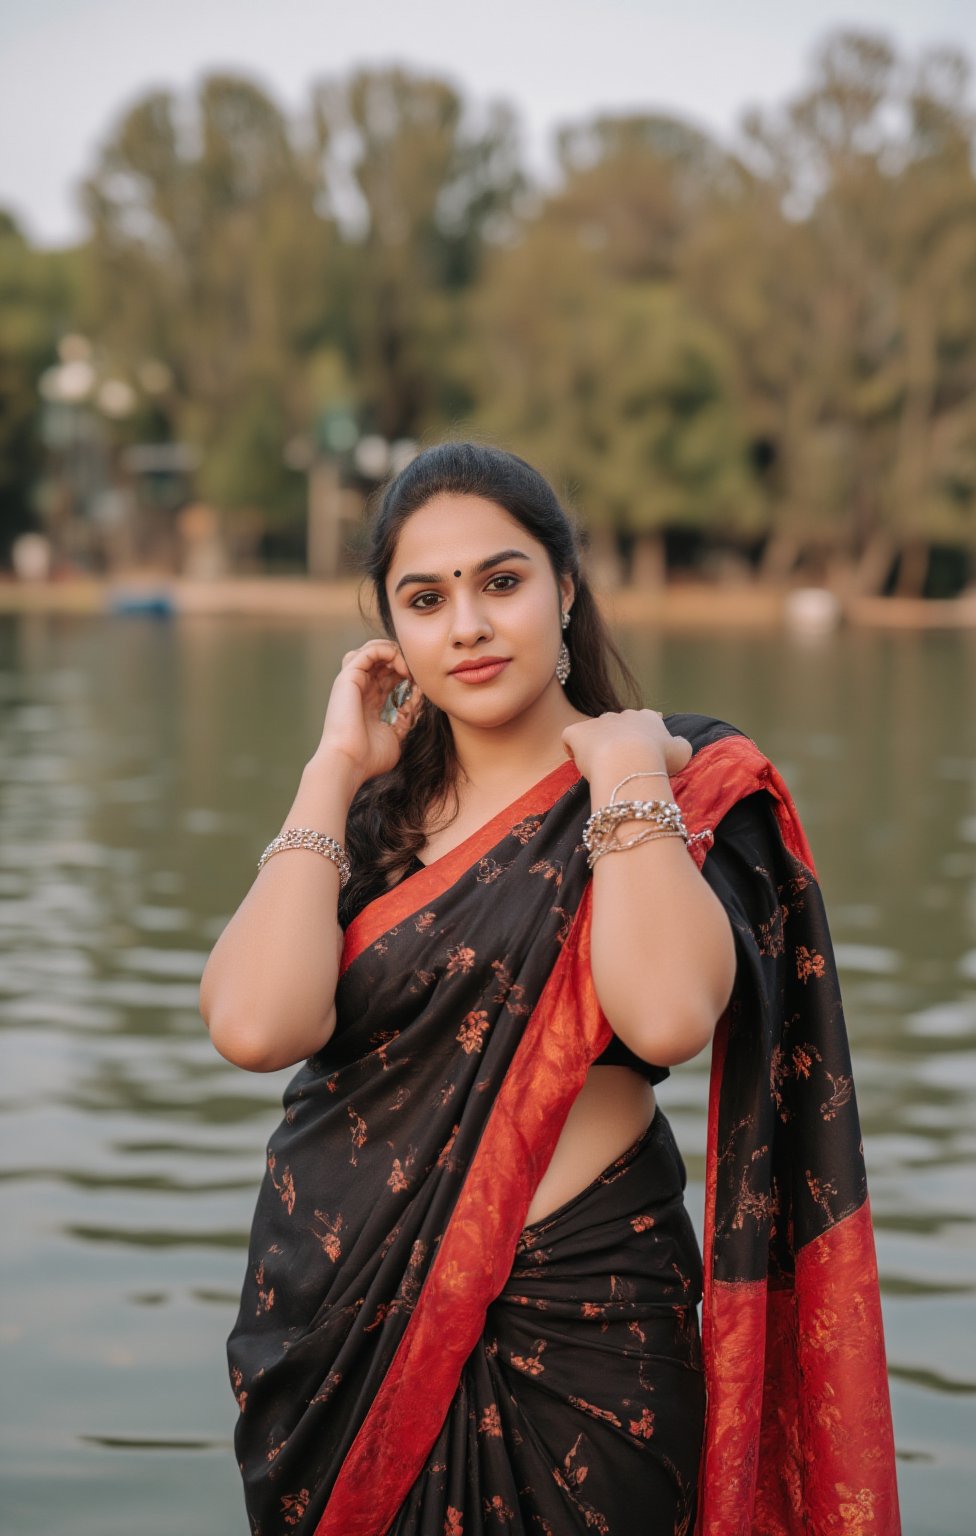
<point>700,730</point>
<point>751,810</point>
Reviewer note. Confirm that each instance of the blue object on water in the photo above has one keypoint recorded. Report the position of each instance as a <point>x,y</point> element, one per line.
<point>156,604</point>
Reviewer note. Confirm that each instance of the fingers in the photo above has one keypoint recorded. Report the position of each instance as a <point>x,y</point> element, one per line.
<point>376,653</point>
<point>375,669</point>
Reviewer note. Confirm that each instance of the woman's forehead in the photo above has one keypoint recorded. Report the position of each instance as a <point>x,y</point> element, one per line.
<point>456,531</point>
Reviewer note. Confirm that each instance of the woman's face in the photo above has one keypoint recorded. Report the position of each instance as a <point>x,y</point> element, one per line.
<point>476,606</point>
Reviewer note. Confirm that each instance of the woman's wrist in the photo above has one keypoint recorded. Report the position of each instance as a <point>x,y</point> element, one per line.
<point>330,768</point>
<point>616,763</point>
<point>326,791</point>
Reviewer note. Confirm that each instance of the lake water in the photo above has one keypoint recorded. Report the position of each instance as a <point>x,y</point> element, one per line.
<point>144,764</point>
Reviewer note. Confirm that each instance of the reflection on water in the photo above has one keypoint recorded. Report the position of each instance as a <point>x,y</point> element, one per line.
<point>144,766</point>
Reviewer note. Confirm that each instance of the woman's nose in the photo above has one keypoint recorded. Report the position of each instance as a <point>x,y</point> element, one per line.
<point>470,621</point>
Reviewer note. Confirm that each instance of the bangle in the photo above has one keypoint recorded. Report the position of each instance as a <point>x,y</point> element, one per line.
<point>600,834</point>
<point>600,831</point>
<point>318,842</point>
<point>614,847</point>
<point>642,773</point>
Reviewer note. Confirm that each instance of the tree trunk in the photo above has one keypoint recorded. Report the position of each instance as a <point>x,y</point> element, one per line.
<point>603,566</point>
<point>779,557</point>
<point>913,569</point>
<point>842,574</point>
<point>324,524</point>
<point>650,567</point>
<point>874,566</point>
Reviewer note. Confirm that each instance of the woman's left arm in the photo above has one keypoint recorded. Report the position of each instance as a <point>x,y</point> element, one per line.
<point>662,951</point>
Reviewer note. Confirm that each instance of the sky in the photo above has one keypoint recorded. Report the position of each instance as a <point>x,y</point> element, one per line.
<point>69,68</point>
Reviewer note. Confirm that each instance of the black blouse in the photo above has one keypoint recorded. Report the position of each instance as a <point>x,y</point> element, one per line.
<point>616,1054</point>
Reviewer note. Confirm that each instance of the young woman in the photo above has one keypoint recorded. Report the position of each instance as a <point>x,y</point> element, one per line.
<point>472,1287</point>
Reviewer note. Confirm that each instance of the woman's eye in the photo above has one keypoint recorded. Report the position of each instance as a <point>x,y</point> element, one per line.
<point>503,582</point>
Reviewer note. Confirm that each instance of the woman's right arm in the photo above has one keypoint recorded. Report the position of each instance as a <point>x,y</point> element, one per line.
<point>267,994</point>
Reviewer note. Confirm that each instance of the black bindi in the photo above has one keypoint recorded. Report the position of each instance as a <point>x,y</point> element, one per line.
<point>457,573</point>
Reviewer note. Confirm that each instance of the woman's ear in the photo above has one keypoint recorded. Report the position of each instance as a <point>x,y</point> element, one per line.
<point>567,592</point>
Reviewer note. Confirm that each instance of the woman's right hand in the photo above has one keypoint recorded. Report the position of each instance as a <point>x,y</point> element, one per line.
<point>353,726</point>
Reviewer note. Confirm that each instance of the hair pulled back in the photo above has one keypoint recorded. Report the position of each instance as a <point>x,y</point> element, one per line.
<point>390,817</point>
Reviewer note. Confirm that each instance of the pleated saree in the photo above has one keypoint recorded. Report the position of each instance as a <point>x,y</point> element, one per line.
<point>411,1358</point>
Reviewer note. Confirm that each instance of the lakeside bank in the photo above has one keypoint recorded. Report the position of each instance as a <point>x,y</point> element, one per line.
<point>681,605</point>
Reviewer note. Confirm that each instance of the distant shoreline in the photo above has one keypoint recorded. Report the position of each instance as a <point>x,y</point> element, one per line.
<point>680,605</point>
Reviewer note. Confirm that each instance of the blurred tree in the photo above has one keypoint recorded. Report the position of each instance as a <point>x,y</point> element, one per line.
<point>634,186</point>
<point>584,351</point>
<point>39,296</point>
<point>421,192</point>
<point>843,281</point>
<point>619,388</point>
<point>933,244</point>
<point>211,257</point>
<point>779,340</point>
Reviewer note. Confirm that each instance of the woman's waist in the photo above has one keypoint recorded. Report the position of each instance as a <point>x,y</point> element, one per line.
<point>624,1238</point>
<point>612,1109</point>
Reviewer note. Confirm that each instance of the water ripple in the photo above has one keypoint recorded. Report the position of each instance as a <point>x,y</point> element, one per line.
<point>138,780</point>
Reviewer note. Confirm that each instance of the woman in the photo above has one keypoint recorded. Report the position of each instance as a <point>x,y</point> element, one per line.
<point>471,1295</point>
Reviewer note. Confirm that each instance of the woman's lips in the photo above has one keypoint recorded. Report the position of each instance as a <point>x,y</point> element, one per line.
<point>480,674</point>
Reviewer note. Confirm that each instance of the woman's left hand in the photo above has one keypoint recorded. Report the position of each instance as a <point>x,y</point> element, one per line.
<point>629,740</point>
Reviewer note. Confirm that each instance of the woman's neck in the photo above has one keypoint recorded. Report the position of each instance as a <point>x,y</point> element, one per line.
<point>518,753</point>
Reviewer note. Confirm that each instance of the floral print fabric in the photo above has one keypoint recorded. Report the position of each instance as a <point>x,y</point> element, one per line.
<point>408,1358</point>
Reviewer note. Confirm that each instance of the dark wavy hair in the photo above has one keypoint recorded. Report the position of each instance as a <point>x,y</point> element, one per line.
<point>389,818</point>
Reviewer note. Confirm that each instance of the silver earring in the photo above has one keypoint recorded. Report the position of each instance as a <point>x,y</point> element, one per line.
<point>563,662</point>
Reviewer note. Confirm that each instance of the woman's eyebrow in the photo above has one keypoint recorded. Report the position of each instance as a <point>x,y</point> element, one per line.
<point>479,570</point>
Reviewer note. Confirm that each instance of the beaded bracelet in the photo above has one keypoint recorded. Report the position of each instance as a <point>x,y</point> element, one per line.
<point>600,831</point>
<point>318,842</point>
<point>615,847</point>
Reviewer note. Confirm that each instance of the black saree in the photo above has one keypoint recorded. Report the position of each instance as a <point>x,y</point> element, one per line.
<point>408,1356</point>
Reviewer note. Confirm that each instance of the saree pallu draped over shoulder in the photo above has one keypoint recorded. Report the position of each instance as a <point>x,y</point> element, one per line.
<point>409,1357</point>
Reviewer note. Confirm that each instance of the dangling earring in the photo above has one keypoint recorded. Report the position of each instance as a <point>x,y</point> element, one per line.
<point>563,662</point>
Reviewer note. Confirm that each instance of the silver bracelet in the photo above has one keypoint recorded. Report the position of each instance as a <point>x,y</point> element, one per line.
<point>642,773</point>
<point>706,835</point>
<point>318,842</point>
<point>600,831</point>
<point>640,837</point>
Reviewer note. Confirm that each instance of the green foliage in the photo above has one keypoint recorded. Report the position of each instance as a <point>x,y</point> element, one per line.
<point>421,196</point>
<point>867,287</point>
<point>212,258</point>
<point>39,293</point>
<point>777,338</point>
<point>620,389</point>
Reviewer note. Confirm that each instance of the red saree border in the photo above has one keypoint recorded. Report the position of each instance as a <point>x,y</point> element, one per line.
<point>725,771</point>
<point>476,1252</point>
<point>733,1336</point>
<point>435,878</point>
<point>798,1398</point>
<point>842,1366</point>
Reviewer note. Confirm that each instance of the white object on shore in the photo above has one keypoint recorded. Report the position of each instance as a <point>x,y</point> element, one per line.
<point>30,555</point>
<point>812,610</point>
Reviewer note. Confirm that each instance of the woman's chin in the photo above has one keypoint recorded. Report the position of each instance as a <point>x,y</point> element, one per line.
<point>488,714</point>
